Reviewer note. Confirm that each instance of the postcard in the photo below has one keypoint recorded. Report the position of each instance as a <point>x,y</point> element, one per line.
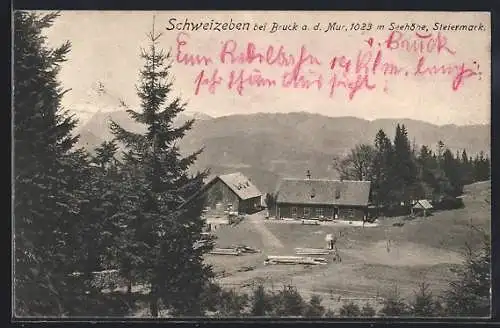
<point>249,164</point>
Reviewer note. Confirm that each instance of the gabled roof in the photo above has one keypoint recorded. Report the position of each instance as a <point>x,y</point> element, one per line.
<point>240,185</point>
<point>323,192</point>
<point>237,182</point>
<point>423,204</point>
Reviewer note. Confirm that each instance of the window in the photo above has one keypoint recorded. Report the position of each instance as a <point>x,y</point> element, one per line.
<point>294,212</point>
<point>307,212</point>
<point>337,194</point>
<point>319,212</point>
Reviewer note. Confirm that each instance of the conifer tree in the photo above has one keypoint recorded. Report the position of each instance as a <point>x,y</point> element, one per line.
<point>381,175</point>
<point>394,305</point>
<point>260,303</point>
<point>314,307</point>
<point>368,311</point>
<point>443,185</point>
<point>481,167</point>
<point>427,167</point>
<point>350,310</point>
<point>423,304</point>
<point>466,169</point>
<point>469,294</point>
<point>440,149</point>
<point>163,235</point>
<point>103,187</point>
<point>404,170</point>
<point>46,200</point>
<point>330,313</point>
<point>288,302</point>
<point>92,230</point>
<point>105,155</point>
<point>232,303</point>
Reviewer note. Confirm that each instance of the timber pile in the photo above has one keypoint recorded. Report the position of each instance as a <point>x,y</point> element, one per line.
<point>246,249</point>
<point>312,251</point>
<point>310,222</point>
<point>226,251</point>
<point>246,268</point>
<point>234,250</point>
<point>295,260</point>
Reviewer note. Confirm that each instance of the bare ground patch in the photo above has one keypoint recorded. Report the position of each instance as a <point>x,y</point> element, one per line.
<point>374,259</point>
<point>395,253</point>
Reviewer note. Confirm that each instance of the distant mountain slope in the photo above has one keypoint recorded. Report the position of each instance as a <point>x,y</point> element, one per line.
<point>96,129</point>
<point>100,106</point>
<point>286,145</point>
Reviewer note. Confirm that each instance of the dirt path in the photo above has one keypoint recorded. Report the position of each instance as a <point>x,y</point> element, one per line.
<point>268,238</point>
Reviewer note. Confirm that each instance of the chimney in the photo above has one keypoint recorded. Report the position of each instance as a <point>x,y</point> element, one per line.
<point>308,175</point>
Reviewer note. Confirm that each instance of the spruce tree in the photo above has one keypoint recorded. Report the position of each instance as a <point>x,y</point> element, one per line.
<point>102,180</point>
<point>350,310</point>
<point>394,305</point>
<point>423,304</point>
<point>451,169</point>
<point>288,302</point>
<point>469,294</point>
<point>443,186</point>
<point>482,167</point>
<point>46,202</point>
<point>163,234</point>
<point>397,167</point>
<point>404,170</point>
<point>368,311</point>
<point>381,169</point>
<point>314,309</point>
<point>260,302</point>
<point>105,155</point>
<point>440,149</point>
<point>466,169</point>
<point>232,303</point>
<point>427,167</point>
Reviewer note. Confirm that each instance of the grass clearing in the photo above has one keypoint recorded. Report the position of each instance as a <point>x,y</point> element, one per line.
<point>374,259</point>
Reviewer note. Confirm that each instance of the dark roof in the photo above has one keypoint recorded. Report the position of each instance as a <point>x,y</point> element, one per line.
<point>237,182</point>
<point>325,192</point>
<point>423,204</point>
<point>240,185</point>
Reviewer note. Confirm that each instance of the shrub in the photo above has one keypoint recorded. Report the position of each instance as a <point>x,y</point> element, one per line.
<point>394,305</point>
<point>329,313</point>
<point>232,304</point>
<point>423,304</point>
<point>469,294</point>
<point>350,310</point>
<point>368,311</point>
<point>288,302</point>
<point>210,297</point>
<point>260,302</point>
<point>314,307</point>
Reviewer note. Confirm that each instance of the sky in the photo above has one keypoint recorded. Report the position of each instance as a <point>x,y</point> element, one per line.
<point>106,48</point>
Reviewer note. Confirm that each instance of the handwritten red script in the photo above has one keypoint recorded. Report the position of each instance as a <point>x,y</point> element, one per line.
<point>303,70</point>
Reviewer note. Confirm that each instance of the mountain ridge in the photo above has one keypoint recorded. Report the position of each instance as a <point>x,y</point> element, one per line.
<point>277,145</point>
